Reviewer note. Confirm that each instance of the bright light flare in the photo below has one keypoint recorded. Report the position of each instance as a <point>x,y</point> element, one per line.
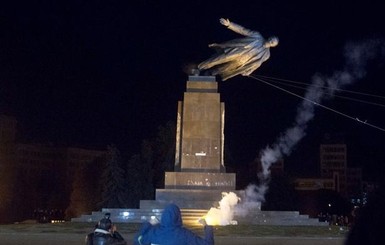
<point>213,217</point>
<point>225,213</point>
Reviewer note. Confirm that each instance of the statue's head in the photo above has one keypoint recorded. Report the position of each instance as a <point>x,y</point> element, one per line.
<point>272,42</point>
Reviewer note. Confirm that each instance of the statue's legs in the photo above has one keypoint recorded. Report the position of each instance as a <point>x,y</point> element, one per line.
<point>221,59</point>
<point>229,69</point>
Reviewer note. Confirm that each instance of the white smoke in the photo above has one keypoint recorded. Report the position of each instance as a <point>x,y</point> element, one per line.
<point>224,214</point>
<point>252,199</point>
<point>357,56</point>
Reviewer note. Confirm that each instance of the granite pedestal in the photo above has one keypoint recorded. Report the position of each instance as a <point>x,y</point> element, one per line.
<point>199,176</point>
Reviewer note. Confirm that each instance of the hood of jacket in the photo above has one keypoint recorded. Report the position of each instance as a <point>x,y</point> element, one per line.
<point>171,216</point>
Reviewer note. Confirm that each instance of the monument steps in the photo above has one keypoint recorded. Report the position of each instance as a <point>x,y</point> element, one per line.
<point>138,215</point>
<point>191,217</point>
<point>282,218</point>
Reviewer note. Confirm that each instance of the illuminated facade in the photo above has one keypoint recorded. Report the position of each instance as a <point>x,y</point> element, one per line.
<point>334,174</point>
<point>333,165</point>
<point>312,184</point>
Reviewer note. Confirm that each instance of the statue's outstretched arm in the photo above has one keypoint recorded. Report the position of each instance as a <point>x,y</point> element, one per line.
<point>232,44</point>
<point>239,29</point>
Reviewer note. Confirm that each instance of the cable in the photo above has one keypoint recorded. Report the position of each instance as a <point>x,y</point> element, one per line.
<point>338,96</point>
<point>320,105</point>
<point>342,90</point>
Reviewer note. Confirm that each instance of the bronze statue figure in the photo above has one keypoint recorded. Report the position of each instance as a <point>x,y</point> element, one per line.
<point>239,56</point>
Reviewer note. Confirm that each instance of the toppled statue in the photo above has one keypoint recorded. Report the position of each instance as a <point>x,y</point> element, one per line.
<point>239,56</point>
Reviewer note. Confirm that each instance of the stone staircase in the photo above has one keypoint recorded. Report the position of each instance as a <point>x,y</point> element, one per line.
<point>283,218</point>
<point>191,216</point>
<point>195,204</point>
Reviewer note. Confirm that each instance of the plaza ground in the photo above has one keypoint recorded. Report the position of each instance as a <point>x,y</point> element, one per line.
<point>70,234</point>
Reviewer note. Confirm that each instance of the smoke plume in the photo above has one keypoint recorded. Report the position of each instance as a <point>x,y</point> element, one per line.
<point>357,57</point>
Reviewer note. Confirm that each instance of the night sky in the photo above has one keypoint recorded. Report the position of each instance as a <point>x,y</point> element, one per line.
<point>92,73</point>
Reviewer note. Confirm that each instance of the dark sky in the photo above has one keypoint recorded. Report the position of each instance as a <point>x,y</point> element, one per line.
<point>91,73</point>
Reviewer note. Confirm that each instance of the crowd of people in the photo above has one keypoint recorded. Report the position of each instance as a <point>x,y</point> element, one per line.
<point>339,220</point>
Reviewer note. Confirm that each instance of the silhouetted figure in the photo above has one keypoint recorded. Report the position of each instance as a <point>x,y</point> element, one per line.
<point>369,224</point>
<point>105,233</point>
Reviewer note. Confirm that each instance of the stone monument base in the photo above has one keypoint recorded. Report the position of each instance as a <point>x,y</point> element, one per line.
<point>195,204</point>
<point>200,176</point>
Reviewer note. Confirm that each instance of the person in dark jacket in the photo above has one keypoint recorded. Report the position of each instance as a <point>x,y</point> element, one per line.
<point>170,231</point>
<point>105,233</point>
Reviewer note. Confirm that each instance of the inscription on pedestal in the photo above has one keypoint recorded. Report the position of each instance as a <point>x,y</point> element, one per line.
<point>208,183</point>
<point>200,180</point>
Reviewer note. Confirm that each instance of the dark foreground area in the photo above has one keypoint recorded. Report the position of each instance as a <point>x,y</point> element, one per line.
<point>74,233</point>
<point>72,239</point>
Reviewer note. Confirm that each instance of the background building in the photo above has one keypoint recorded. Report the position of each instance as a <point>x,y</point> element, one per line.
<point>36,176</point>
<point>336,182</point>
<point>333,165</point>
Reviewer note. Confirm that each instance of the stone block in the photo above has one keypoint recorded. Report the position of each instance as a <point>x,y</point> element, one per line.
<point>201,180</point>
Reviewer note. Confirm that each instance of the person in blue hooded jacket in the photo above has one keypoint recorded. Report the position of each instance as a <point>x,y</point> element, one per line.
<point>170,231</point>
